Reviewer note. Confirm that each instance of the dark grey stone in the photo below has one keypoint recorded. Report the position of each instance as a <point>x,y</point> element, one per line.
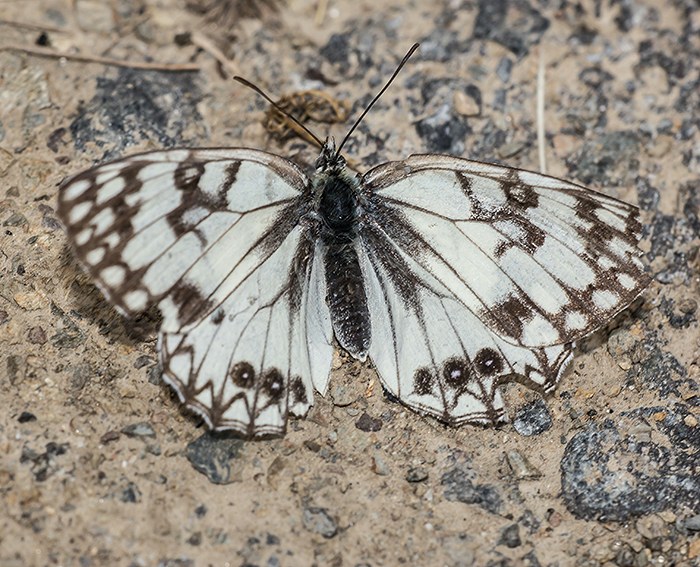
<point>444,131</point>
<point>368,423</point>
<point>417,474</point>
<point>459,487</point>
<point>143,360</point>
<point>141,429</point>
<point>26,417</point>
<point>504,69</point>
<point>44,465</point>
<point>131,106</point>
<point>130,494</point>
<point>533,419</point>
<point>510,536</point>
<point>657,476</point>
<point>212,453</point>
<point>659,370</point>
<point>337,50</point>
<point>516,34</point>
<point>611,159</point>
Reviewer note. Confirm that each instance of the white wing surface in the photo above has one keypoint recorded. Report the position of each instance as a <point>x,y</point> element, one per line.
<point>478,275</point>
<point>213,237</point>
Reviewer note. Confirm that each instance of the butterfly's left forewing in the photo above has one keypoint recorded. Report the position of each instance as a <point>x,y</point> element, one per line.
<point>539,260</point>
<point>214,238</point>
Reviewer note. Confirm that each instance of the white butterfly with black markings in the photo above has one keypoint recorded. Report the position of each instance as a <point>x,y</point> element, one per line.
<point>453,276</point>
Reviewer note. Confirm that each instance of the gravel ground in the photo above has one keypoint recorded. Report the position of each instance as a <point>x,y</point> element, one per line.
<point>99,465</point>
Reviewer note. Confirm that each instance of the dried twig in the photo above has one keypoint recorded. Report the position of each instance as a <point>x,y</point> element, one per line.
<point>540,113</point>
<point>34,27</point>
<point>207,45</point>
<point>45,52</point>
<point>321,9</point>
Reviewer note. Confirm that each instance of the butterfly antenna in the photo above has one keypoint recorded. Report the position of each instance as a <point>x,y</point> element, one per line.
<point>258,90</point>
<point>376,98</point>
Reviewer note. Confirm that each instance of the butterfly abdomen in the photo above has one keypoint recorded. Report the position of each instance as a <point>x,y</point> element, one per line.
<point>346,297</point>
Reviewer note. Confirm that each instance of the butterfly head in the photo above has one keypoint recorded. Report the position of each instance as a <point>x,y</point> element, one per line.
<point>329,159</point>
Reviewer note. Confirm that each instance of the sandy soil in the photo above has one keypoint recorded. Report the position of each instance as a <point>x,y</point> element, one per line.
<point>98,463</point>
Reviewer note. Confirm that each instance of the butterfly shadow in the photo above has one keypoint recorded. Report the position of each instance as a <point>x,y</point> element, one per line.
<point>87,303</point>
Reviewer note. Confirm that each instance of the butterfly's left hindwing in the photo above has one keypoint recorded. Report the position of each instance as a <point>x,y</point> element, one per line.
<point>538,260</point>
<point>262,350</point>
<point>214,238</point>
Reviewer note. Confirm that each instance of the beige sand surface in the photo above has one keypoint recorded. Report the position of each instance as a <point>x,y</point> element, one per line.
<point>94,466</point>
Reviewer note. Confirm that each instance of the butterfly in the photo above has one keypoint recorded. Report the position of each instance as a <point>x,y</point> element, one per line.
<point>454,277</point>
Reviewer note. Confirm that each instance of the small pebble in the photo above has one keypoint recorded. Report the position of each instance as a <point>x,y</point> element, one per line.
<point>26,417</point>
<point>620,343</point>
<point>319,521</point>
<point>312,445</point>
<point>510,149</point>
<point>37,336</point>
<point>368,423</point>
<point>465,104</point>
<point>510,536</point>
<point>109,437</point>
<point>29,300</point>
<point>143,360</point>
<point>15,219</point>
<point>687,306</point>
<point>141,429</point>
<point>416,474</point>
<point>522,468</point>
<point>379,465</point>
<point>214,455</point>
<point>532,419</point>
<point>341,394</point>
<point>692,524</point>
<point>553,517</point>
<point>131,494</point>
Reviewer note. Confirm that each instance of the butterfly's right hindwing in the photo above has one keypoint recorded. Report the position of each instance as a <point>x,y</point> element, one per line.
<point>213,237</point>
<point>260,354</point>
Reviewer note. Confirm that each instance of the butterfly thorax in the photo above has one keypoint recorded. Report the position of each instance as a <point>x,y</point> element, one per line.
<point>337,204</point>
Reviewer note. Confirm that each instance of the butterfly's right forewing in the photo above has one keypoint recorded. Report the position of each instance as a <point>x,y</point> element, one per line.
<point>173,222</point>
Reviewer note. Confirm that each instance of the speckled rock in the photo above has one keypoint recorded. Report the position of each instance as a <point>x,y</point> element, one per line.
<point>657,476</point>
